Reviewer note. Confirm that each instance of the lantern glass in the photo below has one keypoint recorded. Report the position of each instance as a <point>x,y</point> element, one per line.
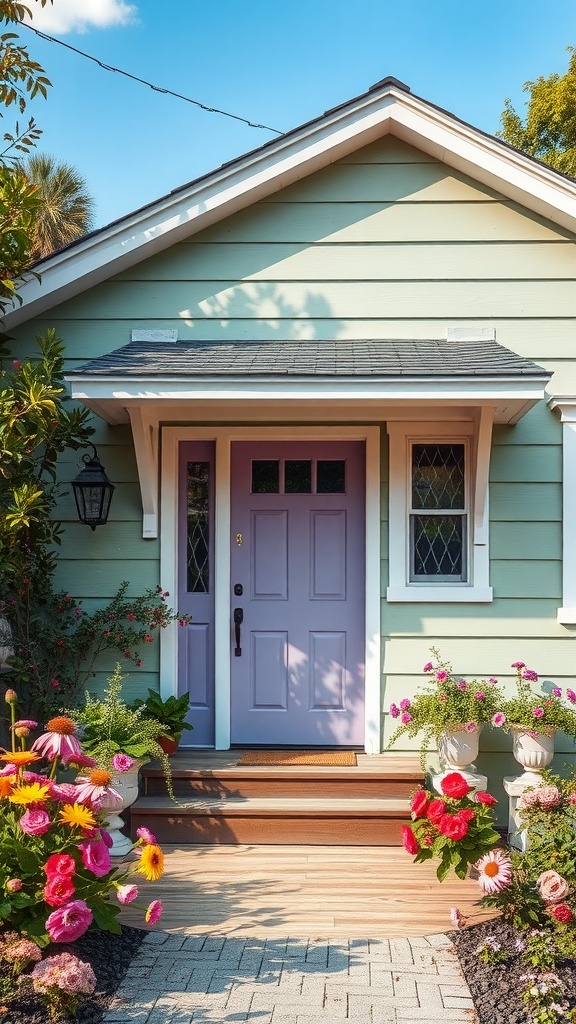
<point>93,492</point>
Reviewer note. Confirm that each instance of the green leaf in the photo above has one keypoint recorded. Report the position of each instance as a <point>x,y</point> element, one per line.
<point>27,861</point>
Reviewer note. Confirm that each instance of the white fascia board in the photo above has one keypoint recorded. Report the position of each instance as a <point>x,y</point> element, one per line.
<point>278,164</point>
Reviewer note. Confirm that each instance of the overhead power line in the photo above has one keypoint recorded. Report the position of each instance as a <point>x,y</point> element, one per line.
<point>155,88</point>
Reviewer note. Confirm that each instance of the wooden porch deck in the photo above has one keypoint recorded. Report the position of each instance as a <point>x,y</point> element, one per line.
<point>337,892</point>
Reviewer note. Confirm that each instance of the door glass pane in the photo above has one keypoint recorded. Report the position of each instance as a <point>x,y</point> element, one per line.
<point>198,541</point>
<point>265,476</point>
<point>438,476</point>
<point>331,476</point>
<point>298,476</point>
<point>437,546</point>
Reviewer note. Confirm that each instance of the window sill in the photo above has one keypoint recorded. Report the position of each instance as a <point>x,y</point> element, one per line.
<point>455,594</point>
<point>566,616</point>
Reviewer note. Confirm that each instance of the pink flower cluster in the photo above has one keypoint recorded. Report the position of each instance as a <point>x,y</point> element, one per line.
<point>66,972</point>
<point>545,796</point>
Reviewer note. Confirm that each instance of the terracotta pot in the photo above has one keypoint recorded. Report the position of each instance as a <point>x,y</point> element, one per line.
<point>169,745</point>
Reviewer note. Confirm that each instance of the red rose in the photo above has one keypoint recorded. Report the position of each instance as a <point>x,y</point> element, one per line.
<point>466,813</point>
<point>453,826</point>
<point>455,785</point>
<point>419,803</point>
<point>486,798</point>
<point>562,913</point>
<point>436,808</point>
<point>409,840</point>
<point>58,890</point>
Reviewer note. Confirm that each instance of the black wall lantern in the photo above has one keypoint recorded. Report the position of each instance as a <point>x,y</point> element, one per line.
<point>93,492</point>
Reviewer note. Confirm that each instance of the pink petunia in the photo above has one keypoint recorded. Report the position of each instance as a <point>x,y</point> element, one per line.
<point>479,695</point>
<point>95,857</point>
<point>70,922</point>
<point>462,685</point>
<point>557,691</point>
<point>153,912</point>
<point>571,696</point>
<point>498,719</point>
<point>126,893</point>
<point>35,822</point>
<point>404,704</point>
<point>441,676</point>
<point>538,712</point>
<point>394,711</point>
<point>405,717</point>
<point>428,667</point>
<point>530,676</point>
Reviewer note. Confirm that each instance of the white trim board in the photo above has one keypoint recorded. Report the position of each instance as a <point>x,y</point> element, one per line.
<point>223,437</point>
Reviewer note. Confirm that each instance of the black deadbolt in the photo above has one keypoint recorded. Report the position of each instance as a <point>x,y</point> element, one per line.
<point>238,589</point>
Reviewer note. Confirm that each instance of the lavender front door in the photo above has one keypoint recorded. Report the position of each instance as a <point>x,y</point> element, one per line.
<point>298,582</point>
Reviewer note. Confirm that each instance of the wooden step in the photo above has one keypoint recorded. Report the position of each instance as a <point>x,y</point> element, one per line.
<point>273,820</point>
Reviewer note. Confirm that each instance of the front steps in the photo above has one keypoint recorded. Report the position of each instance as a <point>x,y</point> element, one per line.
<point>221,802</point>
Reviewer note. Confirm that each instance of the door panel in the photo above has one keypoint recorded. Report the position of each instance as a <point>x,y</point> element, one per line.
<point>298,553</point>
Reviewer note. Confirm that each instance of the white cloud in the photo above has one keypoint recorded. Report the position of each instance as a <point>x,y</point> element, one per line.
<point>82,15</point>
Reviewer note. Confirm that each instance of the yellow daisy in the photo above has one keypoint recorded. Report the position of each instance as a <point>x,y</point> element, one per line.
<point>30,793</point>
<point>151,863</point>
<point>77,816</point>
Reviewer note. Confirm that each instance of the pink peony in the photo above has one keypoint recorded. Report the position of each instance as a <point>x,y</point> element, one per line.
<point>153,912</point>
<point>572,799</point>
<point>126,893</point>
<point>528,799</point>
<point>552,887</point>
<point>35,822</point>
<point>148,838</point>
<point>95,857</point>
<point>60,864</point>
<point>58,890</point>
<point>122,763</point>
<point>70,922</point>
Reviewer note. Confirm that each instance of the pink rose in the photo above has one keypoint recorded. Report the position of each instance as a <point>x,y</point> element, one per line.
<point>409,840</point>
<point>58,890</point>
<point>552,887</point>
<point>35,822</point>
<point>60,864</point>
<point>95,857</point>
<point>436,808</point>
<point>453,826</point>
<point>486,798</point>
<point>548,796</point>
<point>420,803</point>
<point>454,785</point>
<point>153,912</point>
<point>70,922</point>
<point>122,763</point>
<point>126,893</point>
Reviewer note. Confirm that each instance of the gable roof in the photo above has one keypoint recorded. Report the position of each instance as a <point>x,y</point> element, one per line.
<point>386,108</point>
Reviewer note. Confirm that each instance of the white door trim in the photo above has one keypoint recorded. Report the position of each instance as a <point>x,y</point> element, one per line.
<point>223,438</point>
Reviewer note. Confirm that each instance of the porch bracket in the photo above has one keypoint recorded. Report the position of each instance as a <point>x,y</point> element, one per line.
<point>145,435</point>
<point>481,521</point>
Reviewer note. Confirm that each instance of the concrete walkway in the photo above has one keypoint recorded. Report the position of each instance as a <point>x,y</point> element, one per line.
<point>196,979</point>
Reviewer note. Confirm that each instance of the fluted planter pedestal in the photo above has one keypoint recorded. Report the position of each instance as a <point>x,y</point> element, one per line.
<point>457,750</point>
<point>126,784</point>
<point>534,752</point>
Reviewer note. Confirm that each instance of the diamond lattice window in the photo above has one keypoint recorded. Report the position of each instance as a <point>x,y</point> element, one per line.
<point>198,540</point>
<point>438,514</point>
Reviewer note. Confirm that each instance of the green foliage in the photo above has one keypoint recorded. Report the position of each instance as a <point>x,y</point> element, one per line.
<point>537,710</point>
<point>548,130</point>
<point>170,713</point>
<point>64,206</point>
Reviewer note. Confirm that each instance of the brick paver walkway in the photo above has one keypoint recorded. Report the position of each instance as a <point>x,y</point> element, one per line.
<point>179,979</point>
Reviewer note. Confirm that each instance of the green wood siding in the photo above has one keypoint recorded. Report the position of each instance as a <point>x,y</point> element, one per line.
<point>387,243</point>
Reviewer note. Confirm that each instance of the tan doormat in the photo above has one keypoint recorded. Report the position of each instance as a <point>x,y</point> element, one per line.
<point>331,758</point>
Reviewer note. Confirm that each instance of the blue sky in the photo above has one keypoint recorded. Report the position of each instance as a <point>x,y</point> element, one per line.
<point>272,62</point>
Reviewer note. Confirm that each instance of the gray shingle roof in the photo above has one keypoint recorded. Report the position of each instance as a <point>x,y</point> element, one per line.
<point>342,358</point>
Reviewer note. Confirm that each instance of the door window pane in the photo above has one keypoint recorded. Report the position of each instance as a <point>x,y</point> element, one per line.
<point>298,476</point>
<point>331,476</point>
<point>265,476</point>
<point>198,539</point>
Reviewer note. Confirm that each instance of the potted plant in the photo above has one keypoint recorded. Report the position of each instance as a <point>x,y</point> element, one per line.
<point>450,710</point>
<point>170,714</point>
<point>533,717</point>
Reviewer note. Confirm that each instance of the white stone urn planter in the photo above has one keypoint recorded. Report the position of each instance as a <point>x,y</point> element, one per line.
<point>458,749</point>
<point>534,751</point>
<point>126,784</point>
<point>6,647</point>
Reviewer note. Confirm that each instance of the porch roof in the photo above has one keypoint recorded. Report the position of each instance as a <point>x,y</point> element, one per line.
<point>372,358</point>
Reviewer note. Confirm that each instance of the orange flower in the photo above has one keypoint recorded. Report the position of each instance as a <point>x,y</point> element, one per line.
<point>151,863</point>
<point>99,777</point>
<point>77,816</point>
<point>6,784</point>
<point>20,757</point>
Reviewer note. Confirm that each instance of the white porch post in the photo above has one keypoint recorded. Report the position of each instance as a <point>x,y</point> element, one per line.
<point>567,408</point>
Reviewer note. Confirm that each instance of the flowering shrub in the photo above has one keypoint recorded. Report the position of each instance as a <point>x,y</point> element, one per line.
<point>59,980</point>
<point>56,875</point>
<point>56,642</point>
<point>455,828</point>
<point>536,892</point>
<point>537,710</point>
<point>447,702</point>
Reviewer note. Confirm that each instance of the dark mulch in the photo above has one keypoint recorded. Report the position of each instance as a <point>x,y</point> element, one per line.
<point>110,956</point>
<point>495,989</point>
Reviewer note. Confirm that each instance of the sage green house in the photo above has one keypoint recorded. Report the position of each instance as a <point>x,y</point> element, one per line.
<point>334,384</point>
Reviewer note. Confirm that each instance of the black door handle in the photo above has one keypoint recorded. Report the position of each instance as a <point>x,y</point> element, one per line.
<point>238,620</point>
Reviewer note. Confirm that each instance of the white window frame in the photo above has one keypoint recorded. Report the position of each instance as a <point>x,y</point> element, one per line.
<point>463,512</point>
<point>476,434</point>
